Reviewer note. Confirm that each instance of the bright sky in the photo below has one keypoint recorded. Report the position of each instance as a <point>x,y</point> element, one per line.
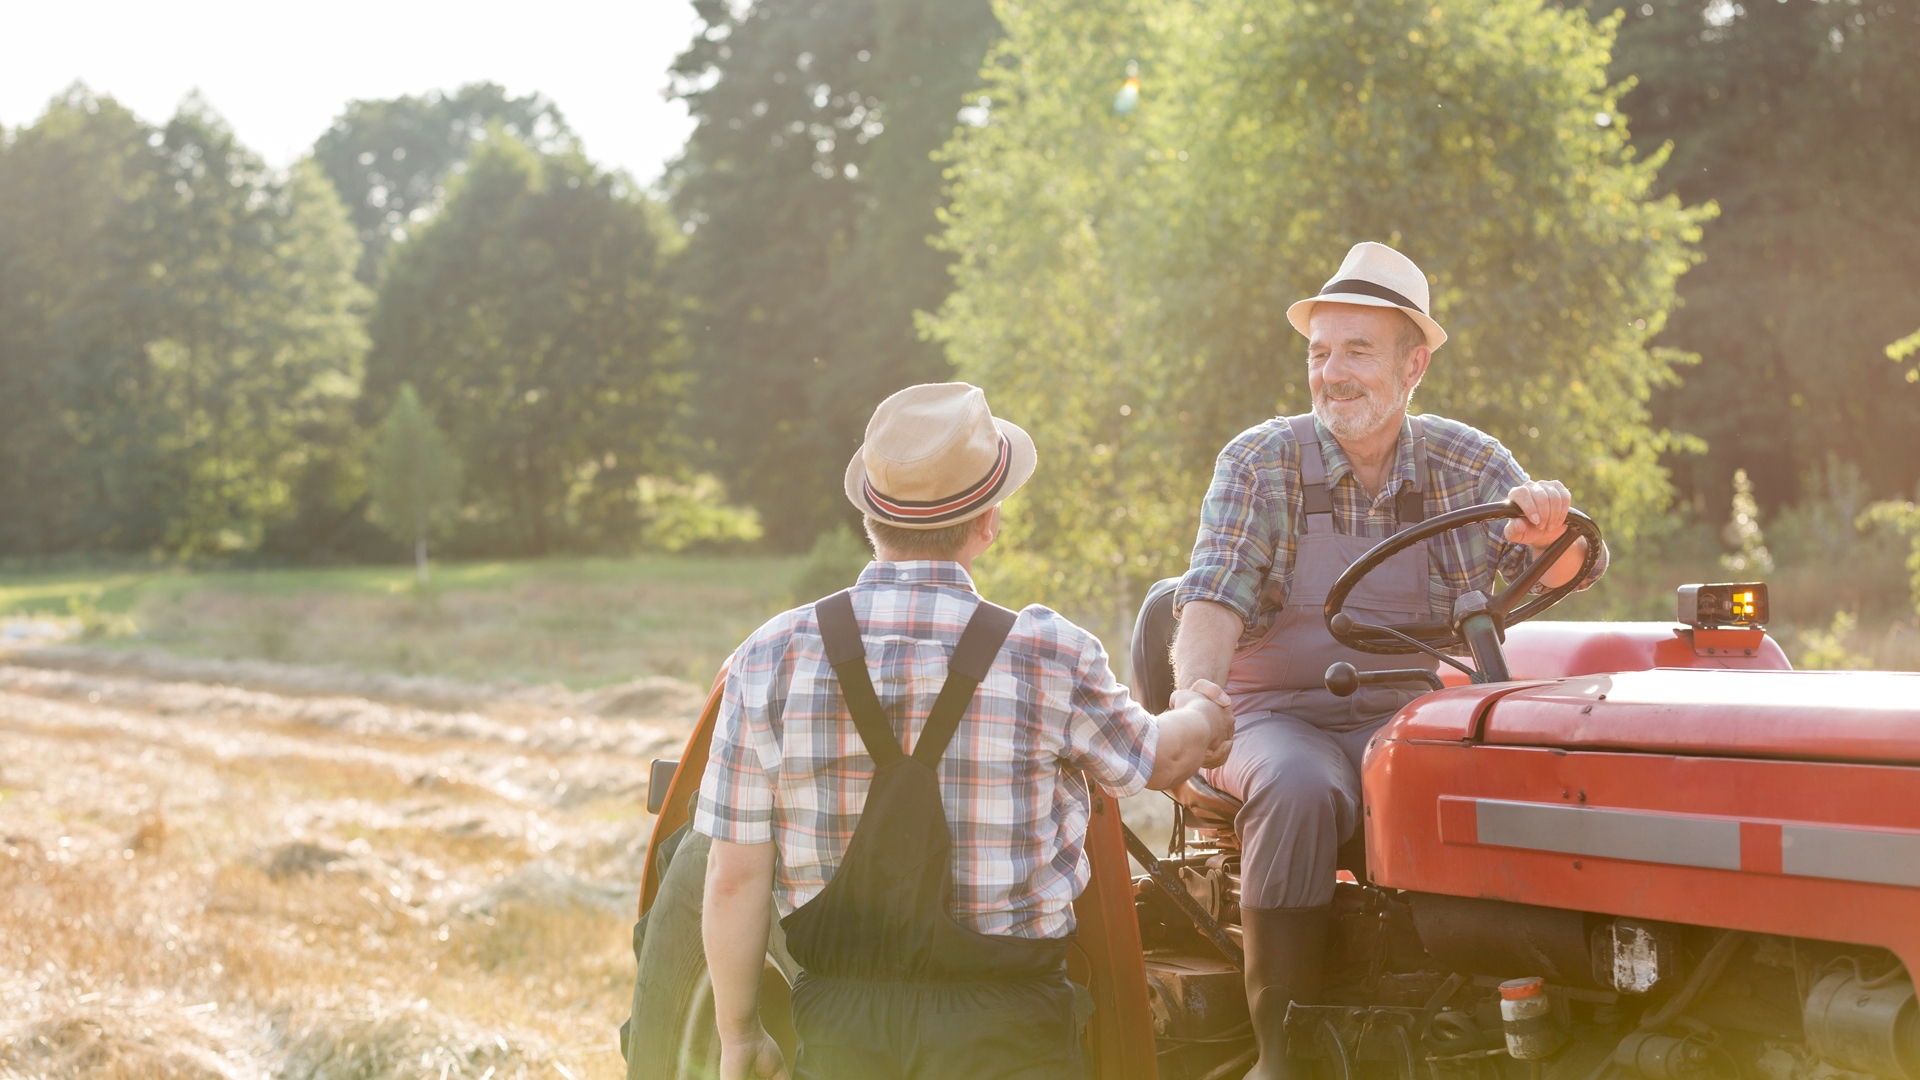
<point>280,72</point>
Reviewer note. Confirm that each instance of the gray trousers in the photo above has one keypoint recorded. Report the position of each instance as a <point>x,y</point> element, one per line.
<point>1301,788</point>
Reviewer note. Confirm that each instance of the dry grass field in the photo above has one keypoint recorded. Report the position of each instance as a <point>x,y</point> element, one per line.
<point>242,834</point>
<point>205,880</point>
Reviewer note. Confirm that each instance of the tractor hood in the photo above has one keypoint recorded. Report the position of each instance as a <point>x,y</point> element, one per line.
<point>1853,716</point>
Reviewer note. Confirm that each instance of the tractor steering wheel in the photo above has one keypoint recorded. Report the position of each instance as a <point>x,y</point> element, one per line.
<point>1508,608</point>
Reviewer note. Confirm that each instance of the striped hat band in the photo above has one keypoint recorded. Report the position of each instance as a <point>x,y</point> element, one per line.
<point>923,514</point>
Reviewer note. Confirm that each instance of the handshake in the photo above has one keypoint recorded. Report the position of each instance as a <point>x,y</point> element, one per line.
<point>1196,732</point>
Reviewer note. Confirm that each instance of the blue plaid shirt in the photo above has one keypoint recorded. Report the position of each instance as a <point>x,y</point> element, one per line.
<point>787,765</point>
<point>1243,557</point>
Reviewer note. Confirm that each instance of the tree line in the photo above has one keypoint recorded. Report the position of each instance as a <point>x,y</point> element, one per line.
<point>197,352</point>
<point>1672,242</point>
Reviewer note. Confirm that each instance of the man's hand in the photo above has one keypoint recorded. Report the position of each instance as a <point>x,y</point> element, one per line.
<point>1219,719</point>
<point>1545,502</point>
<point>1192,729</point>
<point>756,1058</point>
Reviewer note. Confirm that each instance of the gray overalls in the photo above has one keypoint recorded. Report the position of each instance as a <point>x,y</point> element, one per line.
<point>1296,747</point>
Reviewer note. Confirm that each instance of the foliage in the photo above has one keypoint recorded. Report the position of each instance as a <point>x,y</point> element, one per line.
<point>679,515</point>
<point>179,336</point>
<point>835,561</point>
<point>415,476</point>
<point>1123,281</point>
<point>1826,650</point>
<point>1801,120</point>
<point>534,317</point>
<point>1750,555</point>
<point>809,193</point>
<point>390,159</point>
<point>1902,518</point>
<point>95,624</point>
<point>1905,347</point>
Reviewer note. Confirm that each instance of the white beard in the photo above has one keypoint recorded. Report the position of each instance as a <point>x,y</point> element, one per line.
<point>1354,419</point>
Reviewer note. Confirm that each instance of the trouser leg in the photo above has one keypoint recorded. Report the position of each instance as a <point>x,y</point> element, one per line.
<point>1015,1031</point>
<point>669,961</point>
<point>991,1031</point>
<point>1301,794</point>
<point>1300,787</point>
<point>848,1030</point>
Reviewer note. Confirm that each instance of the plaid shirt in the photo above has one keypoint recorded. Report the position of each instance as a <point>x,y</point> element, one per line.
<point>1243,557</point>
<point>788,766</point>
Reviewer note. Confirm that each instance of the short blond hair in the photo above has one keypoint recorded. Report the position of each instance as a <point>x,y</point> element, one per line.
<point>938,545</point>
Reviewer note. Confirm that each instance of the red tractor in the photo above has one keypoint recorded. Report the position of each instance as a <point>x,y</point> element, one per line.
<point>1603,850</point>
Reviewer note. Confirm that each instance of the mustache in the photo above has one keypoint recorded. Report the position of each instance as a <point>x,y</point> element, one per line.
<point>1344,391</point>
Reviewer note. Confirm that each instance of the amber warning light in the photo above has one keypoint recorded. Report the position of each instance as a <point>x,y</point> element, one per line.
<point>1743,606</point>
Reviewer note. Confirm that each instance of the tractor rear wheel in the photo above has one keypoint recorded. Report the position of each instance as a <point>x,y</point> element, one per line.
<point>672,1032</point>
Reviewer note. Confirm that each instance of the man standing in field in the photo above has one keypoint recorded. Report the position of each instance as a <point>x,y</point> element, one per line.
<point>899,768</point>
<point>1294,502</point>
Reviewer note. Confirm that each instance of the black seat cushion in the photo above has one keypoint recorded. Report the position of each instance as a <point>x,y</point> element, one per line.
<point>1153,647</point>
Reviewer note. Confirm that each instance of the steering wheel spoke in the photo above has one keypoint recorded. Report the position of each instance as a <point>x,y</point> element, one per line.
<point>1515,604</point>
<point>1520,588</point>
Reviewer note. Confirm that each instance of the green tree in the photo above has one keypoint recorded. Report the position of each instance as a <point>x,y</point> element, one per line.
<point>1801,120</point>
<point>390,159</point>
<point>1123,280</point>
<point>1900,516</point>
<point>677,515</point>
<point>810,193</point>
<point>415,477</point>
<point>179,332</point>
<point>533,315</point>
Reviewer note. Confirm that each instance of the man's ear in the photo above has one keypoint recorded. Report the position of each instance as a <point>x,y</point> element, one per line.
<point>1417,362</point>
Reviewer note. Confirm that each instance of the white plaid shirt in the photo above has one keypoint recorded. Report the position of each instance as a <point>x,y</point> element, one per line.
<point>788,766</point>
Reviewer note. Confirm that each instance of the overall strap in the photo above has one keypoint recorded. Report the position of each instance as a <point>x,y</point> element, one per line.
<point>1315,500</point>
<point>979,643</point>
<point>1410,508</point>
<point>840,631</point>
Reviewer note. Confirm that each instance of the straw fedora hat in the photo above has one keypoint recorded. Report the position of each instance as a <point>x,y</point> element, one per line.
<point>935,457</point>
<point>1374,275</point>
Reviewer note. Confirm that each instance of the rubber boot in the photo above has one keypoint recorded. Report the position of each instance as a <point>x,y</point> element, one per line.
<point>1286,949</point>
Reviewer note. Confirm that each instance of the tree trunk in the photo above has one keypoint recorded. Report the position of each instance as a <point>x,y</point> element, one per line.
<point>420,545</point>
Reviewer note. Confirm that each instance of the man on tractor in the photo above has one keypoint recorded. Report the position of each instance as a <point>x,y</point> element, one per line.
<point>1293,503</point>
<point>920,821</point>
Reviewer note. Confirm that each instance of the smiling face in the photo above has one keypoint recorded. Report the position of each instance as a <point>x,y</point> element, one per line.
<point>1363,364</point>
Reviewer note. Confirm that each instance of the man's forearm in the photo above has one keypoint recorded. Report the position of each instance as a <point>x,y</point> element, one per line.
<point>735,912</point>
<point>1203,647</point>
<point>1566,566</point>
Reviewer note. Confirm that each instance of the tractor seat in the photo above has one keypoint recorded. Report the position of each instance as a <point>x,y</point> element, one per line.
<point>1209,808</point>
<point>1153,647</point>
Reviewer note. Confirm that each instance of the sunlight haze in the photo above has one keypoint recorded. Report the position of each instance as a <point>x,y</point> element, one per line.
<point>279,74</point>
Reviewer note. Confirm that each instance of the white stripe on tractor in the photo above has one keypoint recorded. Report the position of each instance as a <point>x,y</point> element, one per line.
<point>1610,834</point>
<point>1874,856</point>
<point>1883,858</point>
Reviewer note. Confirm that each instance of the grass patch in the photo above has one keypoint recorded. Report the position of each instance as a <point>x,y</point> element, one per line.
<point>580,622</point>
